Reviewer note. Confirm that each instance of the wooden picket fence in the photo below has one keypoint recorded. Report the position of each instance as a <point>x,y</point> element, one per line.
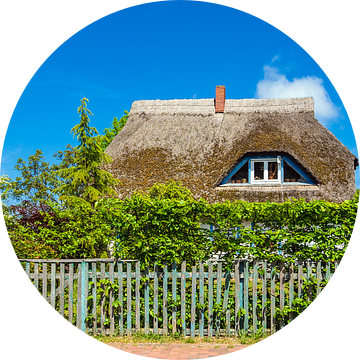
<point>108,296</point>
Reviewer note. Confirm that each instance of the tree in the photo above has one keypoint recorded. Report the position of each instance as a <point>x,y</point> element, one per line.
<point>52,232</point>
<point>39,181</point>
<point>111,132</point>
<point>5,187</point>
<point>36,182</point>
<point>86,180</point>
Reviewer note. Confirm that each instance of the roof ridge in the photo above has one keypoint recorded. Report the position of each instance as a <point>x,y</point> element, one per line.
<point>207,106</point>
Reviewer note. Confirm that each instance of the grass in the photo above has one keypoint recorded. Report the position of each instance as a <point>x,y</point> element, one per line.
<point>243,339</point>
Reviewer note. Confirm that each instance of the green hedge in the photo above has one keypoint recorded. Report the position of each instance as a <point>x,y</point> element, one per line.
<point>164,225</point>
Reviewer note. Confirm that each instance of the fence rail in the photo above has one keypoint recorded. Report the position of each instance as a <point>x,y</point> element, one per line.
<point>108,296</point>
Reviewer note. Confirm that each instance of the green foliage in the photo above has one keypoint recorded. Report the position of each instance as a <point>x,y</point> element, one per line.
<point>111,132</point>
<point>153,227</point>
<point>283,314</point>
<point>38,180</point>
<point>171,190</point>
<point>164,224</point>
<point>300,303</point>
<point>41,224</point>
<point>5,187</point>
<point>51,232</point>
<point>86,180</point>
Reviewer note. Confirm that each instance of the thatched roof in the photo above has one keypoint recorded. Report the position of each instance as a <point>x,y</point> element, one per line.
<point>186,140</point>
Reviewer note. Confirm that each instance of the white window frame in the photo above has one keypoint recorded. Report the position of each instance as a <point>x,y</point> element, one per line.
<point>265,180</point>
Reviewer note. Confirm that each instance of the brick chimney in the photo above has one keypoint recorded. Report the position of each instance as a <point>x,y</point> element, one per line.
<point>220,99</point>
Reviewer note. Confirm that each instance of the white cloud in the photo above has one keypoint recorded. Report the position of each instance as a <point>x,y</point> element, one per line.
<point>275,85</point>
<point>276,57</point>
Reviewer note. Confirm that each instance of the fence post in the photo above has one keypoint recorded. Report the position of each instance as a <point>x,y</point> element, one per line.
<point>263,300</point>
<point>156,299</point>
<point>183,297</point>
<point>201,299</point>
<point>237,297</point>
<point>174,308</point>
<point>210,293</point>
<point>146,302</point>
<point>246,295</point>
<point>193,301</point>
<point>282,290</point>
<point>254,294</point>
<point>137,296</point>
<point>272,295</point>
<point>84,286</point>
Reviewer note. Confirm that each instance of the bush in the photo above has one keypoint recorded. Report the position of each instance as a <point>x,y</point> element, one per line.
<point>47,231</point>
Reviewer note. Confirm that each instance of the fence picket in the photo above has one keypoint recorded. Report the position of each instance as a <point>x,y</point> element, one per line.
<point>174,308</point>
<point>183,297</point>
<point>309,274</point>
<point>102,299</point>
<point>226,302</point>
<point>218,296</point>
<point>128,290</point>
<point>84,293</point>
<point>156,299</point>
<point>62,288</point>
<point>201,299</point>
<point>246,296</point>
<point>69,276</point>
<point>263,299</point>
<point>291,289</point>
<point>71,291</point>
<point>210,292</point>
<point>78,298</point>
<point>241,293</point>
<point>165,302</point>
<point>53,284</point>
<point>44,281</point>
<point>121,298</point>
<point>300,279</point>
<point>137,296</point>
<point>94,292</point>
<point>36,276</point>
<point>146,292</point>
<point>193,302</point>
<point>318,277</point>
<point>254,294</point>
<point>282,290</point>
<point>237,296</point>
<point>111,299</point>
<point>273,299</point>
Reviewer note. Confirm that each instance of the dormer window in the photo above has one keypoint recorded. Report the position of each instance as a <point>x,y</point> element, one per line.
<point>267,170</point>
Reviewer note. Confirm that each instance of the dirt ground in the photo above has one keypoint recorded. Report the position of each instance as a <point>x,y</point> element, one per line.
<point>177,351</point>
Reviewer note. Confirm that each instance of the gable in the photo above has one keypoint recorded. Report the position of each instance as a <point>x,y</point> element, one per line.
<point>268,169</point>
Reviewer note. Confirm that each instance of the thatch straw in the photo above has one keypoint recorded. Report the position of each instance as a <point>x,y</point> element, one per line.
<point>185,140</point>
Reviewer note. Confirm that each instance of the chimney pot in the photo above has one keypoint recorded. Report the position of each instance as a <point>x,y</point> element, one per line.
<point>220,99</point>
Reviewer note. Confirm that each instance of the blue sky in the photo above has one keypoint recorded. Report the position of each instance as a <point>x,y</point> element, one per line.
<point>167,50</point>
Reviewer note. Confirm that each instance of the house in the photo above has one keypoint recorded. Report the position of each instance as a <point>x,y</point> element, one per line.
<point>252,149</point>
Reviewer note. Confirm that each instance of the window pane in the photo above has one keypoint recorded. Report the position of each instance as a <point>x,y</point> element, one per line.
<point>272,170</point>
<point>290,175</point>
<point>242,176</point>
<point>258,170</point>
